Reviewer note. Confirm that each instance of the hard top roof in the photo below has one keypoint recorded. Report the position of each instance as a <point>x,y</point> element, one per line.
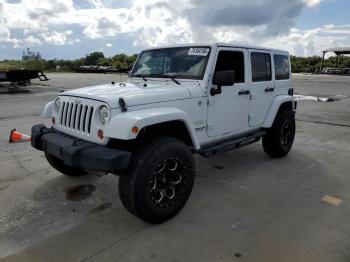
<point>233,45</point>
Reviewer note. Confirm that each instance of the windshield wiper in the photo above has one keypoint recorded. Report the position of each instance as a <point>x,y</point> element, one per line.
<point>173,78</point>
<point>142,76</point>
<point>177,82</point>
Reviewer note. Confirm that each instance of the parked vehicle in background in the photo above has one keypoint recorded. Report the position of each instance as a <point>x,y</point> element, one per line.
<point>178,101</point>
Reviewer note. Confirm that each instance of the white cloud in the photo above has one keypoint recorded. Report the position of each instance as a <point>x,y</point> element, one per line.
<point>4,34</point>
<point>29,41</point>
<point>55,38</point>
<point>312,3</point>
<point>313,41</point>
<point>96,3</point>
<point>161,22</point>
<point>2,8</point>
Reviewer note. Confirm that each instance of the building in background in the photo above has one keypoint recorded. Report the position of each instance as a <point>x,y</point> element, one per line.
<point>30,55</point>
<point>339,51</point>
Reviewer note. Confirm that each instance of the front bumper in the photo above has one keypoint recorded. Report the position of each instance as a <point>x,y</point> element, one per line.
<point>78,153</point>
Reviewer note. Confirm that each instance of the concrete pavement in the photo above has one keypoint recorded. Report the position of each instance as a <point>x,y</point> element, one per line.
<point>244,207</point>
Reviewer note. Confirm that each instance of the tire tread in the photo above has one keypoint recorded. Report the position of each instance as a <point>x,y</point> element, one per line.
<point>271,141</point>
<point>128,179</point>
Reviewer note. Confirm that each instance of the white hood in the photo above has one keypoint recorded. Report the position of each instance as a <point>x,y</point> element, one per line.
<point>132,93</point>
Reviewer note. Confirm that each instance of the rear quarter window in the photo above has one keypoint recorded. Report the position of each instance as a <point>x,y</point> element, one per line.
<point>282,71</point>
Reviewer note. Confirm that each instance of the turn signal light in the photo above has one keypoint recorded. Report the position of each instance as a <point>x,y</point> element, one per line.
<point>135,129</point>
<point>53,121</point>
<point>100,134</point>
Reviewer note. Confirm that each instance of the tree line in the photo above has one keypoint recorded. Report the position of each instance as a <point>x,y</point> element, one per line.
<point>313,64</point>
<point>119,61</point>
<point>123,61</point>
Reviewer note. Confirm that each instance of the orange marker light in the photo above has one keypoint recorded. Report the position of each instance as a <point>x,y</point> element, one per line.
<point>100,134</point>
<point>53,121</point>
<point>135,129</point>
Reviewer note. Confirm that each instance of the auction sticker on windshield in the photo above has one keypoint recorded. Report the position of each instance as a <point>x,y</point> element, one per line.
<point>198,51</point>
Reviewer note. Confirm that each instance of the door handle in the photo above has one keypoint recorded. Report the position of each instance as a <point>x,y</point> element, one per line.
<point>269,89</point>
<point>244,92</point>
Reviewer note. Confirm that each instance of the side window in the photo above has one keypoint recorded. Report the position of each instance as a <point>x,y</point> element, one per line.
<point>231,60</point>
<point>261,67</point>
<point>281,67</point>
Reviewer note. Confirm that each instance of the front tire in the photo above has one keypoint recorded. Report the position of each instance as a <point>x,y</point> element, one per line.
<point>159,180</point>
<point>279,139</point>
<point>61,167</point>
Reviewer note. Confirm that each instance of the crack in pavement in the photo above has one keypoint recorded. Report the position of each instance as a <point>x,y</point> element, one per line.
<point>321,122</point>
<point>21,165</point>
<point>304,188</point>
<point>15,179</point>
<point>4,188</point>
<point>15,117</point>
<point>112,245</point>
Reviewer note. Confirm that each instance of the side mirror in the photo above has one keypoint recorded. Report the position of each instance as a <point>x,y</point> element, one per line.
<point>222,78</point>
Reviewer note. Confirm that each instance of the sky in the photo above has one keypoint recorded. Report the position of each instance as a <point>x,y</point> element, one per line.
<point>69,29</point>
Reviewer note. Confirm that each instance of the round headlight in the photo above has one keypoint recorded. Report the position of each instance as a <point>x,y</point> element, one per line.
<point>57,104</point>
<point>103,115</point>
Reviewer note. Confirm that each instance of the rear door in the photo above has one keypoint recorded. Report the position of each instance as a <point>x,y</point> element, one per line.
<point>262,86</point>
<point>282,73</point>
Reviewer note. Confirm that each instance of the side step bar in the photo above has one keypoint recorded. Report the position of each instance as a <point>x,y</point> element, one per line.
<point>230,145</point>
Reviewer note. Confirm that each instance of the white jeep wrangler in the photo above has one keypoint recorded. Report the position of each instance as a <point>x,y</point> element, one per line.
<point>179,100</point>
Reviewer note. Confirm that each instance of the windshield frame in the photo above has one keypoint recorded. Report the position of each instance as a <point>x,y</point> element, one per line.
<point>177,76</point>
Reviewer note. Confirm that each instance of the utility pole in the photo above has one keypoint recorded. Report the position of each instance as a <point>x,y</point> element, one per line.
<point>322,62</point>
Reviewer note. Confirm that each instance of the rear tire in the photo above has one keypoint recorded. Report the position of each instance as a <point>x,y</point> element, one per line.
<point>159,180</point>
<point>61,167</point>
<point>279,139</point>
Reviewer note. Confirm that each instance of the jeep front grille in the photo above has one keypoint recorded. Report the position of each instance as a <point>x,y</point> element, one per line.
<point>76,116</point>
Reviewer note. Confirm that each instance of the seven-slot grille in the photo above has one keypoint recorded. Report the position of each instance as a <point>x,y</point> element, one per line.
<point>76,116</point>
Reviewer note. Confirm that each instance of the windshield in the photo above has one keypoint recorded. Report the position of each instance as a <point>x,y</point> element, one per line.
<point>179,62</point>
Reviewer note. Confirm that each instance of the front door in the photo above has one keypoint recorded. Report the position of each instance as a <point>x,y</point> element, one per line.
<point>228,112</point>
